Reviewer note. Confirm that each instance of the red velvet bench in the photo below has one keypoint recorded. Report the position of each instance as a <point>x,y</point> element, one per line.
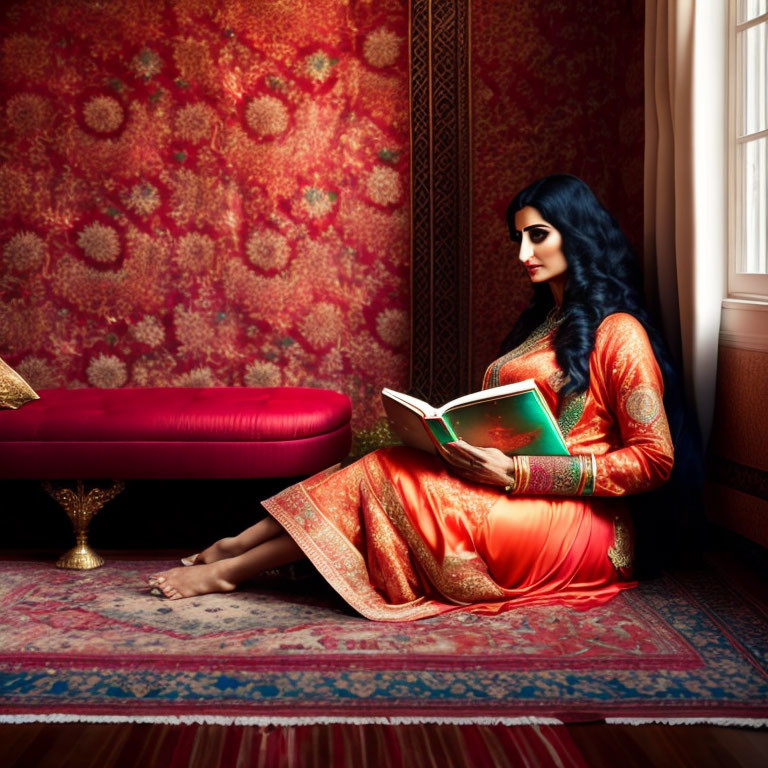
<point>167,433</point>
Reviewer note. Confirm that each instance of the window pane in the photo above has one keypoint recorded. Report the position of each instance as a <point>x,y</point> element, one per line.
<point>754,52</point>
<point>754,247</point>
<point>748,9</point>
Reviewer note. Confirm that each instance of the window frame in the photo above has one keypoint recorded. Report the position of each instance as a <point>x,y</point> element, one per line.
<point>740,285</point>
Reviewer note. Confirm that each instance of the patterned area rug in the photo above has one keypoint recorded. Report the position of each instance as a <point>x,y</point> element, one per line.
<point>94,645</point>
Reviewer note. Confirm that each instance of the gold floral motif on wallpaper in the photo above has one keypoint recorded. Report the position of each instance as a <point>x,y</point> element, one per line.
<point>201,192</point>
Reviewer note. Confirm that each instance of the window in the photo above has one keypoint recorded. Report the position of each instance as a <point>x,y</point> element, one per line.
<point>748,150</point>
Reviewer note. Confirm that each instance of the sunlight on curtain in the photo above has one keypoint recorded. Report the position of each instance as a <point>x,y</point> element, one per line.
<point>685,204</point>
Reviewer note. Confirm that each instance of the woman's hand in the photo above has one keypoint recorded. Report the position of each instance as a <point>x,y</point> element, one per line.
<point>479,465</point>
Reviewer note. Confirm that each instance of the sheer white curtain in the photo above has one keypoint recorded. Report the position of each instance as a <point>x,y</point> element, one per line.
<point>685,184</point>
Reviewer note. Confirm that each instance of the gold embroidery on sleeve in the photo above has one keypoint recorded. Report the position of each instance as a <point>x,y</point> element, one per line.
<point>561,475</point>
<point>643,405</point>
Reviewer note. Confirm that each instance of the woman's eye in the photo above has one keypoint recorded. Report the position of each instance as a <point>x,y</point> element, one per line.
<point>537,235</point>
<point>517,237</point>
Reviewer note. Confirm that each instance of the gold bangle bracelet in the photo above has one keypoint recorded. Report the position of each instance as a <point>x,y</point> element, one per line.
<point>582,475</point>
<point>511,487</point>
<point>523,473</point>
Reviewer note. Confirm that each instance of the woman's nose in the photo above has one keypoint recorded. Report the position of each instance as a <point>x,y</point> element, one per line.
<point>526,249</point>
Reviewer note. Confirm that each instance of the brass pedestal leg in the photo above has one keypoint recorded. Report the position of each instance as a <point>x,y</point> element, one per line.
<point>81,507</point>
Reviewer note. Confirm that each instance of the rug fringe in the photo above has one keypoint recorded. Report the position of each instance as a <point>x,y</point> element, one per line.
<point>276,721</point>
<point>729,722</point>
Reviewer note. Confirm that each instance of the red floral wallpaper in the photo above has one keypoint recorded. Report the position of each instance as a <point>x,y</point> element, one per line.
<point>557,87</point>
<point>202,192</point>
<point>206,192</point>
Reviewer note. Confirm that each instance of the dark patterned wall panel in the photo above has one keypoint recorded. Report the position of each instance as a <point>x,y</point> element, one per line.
<point>440,199</point>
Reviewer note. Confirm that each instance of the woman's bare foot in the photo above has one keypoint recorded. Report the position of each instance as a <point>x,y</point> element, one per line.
<point>234,546</point>
<point>224,575</point>
<point>189,582</point>
<point>221,550</point>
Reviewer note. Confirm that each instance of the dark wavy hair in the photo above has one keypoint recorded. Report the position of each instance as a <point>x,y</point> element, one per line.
<point>603,277</point>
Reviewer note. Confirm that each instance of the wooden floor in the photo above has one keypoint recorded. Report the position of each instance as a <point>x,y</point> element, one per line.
<point>80,745</point>
<point>684,746</point>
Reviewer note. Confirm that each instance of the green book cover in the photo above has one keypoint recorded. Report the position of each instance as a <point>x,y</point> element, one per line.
<point>514,418</point>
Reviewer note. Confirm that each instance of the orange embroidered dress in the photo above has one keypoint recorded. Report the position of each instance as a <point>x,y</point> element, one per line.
<point>401,538</point>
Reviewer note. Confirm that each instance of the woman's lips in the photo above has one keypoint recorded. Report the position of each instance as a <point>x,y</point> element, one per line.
<point>532,267</point>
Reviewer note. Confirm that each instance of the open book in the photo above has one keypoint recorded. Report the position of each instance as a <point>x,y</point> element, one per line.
<point>514,418</point>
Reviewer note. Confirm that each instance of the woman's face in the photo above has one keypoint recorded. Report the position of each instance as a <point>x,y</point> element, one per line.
<point>541,248</point>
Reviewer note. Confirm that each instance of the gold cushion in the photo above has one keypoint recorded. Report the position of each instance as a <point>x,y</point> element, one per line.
<point>14,391</point>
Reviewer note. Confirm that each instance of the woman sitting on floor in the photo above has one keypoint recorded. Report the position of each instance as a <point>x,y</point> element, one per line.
<point>403,535</point>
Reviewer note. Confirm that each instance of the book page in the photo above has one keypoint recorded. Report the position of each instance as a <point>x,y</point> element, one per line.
<point>408,423</point>
<point>489,394</point>
<point>425,409</point>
